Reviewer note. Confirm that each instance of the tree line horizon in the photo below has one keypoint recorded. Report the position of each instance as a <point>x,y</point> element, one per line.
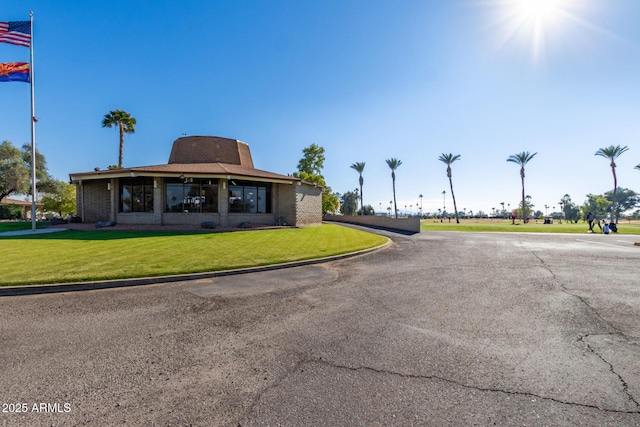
<point>14,162</point>
<point>599,205</point>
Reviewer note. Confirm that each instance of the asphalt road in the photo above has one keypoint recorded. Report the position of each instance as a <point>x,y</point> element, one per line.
<point>437,329</point>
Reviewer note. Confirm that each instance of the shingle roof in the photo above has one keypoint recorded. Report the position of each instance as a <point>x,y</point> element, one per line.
<point>195,155</point>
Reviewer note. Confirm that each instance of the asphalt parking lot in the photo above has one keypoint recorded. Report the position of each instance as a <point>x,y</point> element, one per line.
<point>437,329</point>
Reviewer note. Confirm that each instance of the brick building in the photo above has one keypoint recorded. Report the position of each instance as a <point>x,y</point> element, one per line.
<point>207,179</point>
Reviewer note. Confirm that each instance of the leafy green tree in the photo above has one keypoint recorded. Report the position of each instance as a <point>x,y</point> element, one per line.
<point>349,202</point>
<point>312,160</point>
<point>63,202</point>
<point>529,206</point>
<point>15,170</point>
<point>522,159</point>
<point>394,164</point>
<point>14,173</point>
<point>310,170</point>
<point>125,124</point>
<point>359,167</point>
<point>570,210</point>
<point>626,200</point>
<point>368,210</point>
<point>612,153</point>
<point>448,159</point>
<point>598,205</point>
<point>8,211</point>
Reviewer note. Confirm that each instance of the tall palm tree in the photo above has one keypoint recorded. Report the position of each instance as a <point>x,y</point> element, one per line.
<point>359,167</point>
<point>448,159</point>
<point>522,159</point>
<point>125,124</point>
<point>394,164</point>
<point>612,152</point>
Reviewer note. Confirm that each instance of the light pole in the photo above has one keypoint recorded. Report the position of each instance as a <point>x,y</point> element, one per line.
<point>444,205</point>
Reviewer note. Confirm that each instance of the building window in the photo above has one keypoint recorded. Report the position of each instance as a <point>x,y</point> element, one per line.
<point>249,197</point>
<point>191,195</point>
<point>136,194</point>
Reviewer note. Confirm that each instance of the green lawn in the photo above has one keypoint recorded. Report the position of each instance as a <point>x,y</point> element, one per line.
<point>501,225</point>
<point>72,256</point>
<point>19,225</point>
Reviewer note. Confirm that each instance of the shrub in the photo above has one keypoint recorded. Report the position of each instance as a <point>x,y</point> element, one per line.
<point>10,212</point>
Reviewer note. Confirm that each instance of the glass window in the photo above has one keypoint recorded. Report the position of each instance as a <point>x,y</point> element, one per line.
<point>262,200</point>
<point>136,194</point>
<point>249,197</point>
<point>191,195</point>
<point>235,198</point>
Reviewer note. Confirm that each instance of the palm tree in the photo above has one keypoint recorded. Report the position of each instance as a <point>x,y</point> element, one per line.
<point>448,159</point>
<point>522,159</point>
<point>612,154</point>
<point>124,122</point>
<point>359,167</point>
<point>394,164</point>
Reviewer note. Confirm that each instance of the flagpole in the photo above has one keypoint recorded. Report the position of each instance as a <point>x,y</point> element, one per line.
<point>33,133</point>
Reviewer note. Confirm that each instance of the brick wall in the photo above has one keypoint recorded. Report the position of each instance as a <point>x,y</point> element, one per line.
<point>173,218</point>
<point>411,225</point>
<point>298,205</point>
<point>93,200</point>
<point>308,205</point>
<point>284,202</point>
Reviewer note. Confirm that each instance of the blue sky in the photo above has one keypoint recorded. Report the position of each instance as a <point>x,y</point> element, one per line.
<point>367,80</point>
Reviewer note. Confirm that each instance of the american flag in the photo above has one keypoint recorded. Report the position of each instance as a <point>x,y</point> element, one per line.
<point>16,32</point>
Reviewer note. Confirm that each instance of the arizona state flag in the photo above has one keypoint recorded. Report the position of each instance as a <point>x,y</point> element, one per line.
<point>14,72</point>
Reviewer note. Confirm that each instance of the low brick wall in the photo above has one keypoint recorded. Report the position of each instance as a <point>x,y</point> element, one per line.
<point>411,225</point>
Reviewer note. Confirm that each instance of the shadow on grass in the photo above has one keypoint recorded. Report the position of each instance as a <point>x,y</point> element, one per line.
<point>104,235</point>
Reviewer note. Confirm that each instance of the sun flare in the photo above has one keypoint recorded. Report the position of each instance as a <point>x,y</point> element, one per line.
<point>536,23</point>
<point>538,9</point>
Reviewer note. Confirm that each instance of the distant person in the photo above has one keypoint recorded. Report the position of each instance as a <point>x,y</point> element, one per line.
<point>590,219</point>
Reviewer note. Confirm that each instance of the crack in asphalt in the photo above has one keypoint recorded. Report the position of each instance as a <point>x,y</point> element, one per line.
<point>544,265</point>
<point>618,332</point>
<point>584,301</point>
<point>625,386</point>
<point>463,385</point>
<point>275,384</point>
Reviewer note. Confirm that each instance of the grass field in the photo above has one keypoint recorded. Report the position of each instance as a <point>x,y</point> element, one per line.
<point>502,225</point>
<point>72,256</point>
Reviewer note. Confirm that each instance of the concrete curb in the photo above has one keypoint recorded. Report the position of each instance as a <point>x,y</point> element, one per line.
<point>7,291</point>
